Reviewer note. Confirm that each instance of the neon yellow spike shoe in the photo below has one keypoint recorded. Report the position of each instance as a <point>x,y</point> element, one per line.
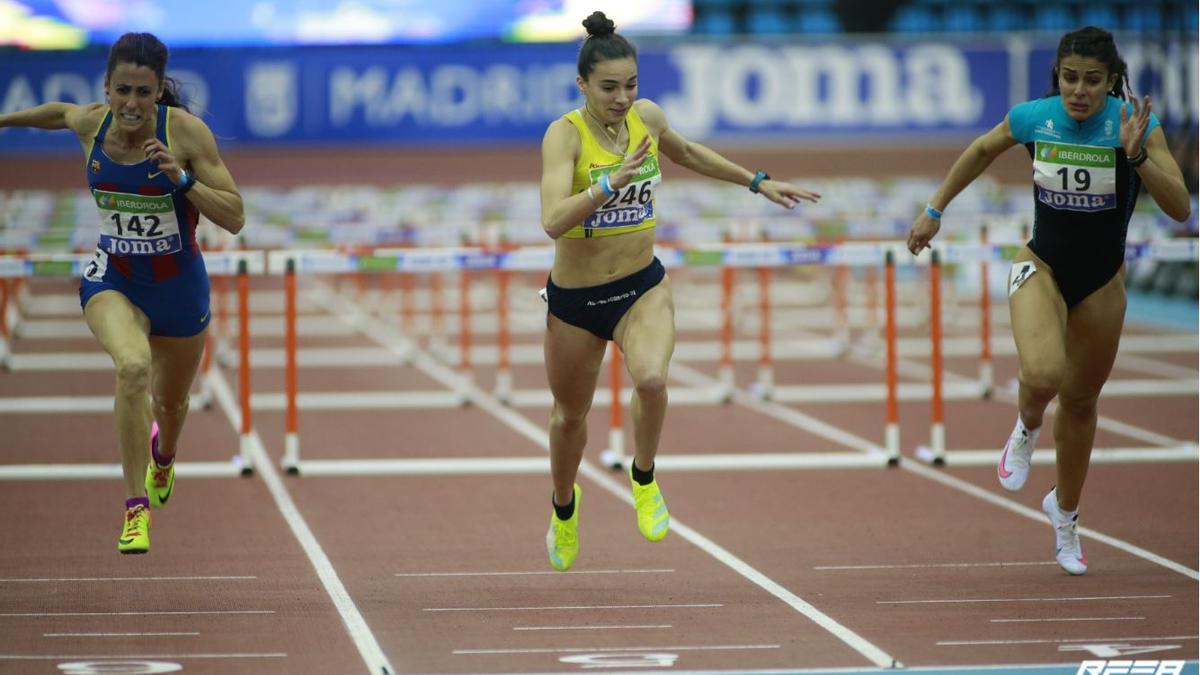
<point>135,536</point>
<point>160,482</point>
<point>653,519</point>
<point>562,539</point>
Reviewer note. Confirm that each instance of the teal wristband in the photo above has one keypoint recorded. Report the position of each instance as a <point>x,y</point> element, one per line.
<point>758,178</point>
<point>605,184</point>
<point>932,212</point>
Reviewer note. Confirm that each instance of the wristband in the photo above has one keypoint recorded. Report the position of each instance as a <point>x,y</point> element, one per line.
<point>1138,159</point>
<point>932,212</point>
<point>606,187</point>
<point>591,196</point>
<point>186,181</point>
<point>758,178</point>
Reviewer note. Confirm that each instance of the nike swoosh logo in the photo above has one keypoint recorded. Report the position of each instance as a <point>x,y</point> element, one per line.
<point>204,317</point>
<point>163,500</point>
<point>1004,473</point>
<point>125,541</point>
<point>154,175</point>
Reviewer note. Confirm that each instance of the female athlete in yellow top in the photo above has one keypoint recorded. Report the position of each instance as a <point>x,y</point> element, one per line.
<point>600,170</point>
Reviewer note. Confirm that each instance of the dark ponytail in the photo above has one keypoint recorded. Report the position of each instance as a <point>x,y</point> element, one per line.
<point>144,49</point>
<point>603,43</point>
<point>1096,43</point>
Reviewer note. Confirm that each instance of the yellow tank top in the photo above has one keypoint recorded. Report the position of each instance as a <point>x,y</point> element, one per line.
<point>632,208</point>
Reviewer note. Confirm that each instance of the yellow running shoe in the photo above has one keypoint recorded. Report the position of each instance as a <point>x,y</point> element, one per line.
<point>653,519</point>
<point>160,482</point>
<point>135,536</point>
<point>562,539</point>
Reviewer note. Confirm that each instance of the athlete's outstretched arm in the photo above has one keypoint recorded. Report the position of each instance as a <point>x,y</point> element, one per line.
<point>54,115</point>
<point>978,156</point>
<point>1159,172</point>
<point>562,210</point>
<point>708,162</point>
<point>214,193</point>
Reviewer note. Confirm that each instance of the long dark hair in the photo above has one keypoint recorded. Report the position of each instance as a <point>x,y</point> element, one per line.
<point>144,49</point>
<point>1096,43</point>
<point>602,44</point>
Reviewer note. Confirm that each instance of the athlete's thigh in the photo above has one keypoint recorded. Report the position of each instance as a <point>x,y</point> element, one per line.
<point>122,329</point>
<point>1093,336</point>
<point>1038,314</point>
<point>646,334</point>
<point>175,361</point>
<point>573,357</point>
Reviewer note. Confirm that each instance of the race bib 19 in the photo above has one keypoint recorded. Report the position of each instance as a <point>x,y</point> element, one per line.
<point>137,225</point>
<point>1075,177</point>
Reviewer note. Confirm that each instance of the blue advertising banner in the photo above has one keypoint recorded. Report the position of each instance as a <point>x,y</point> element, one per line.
<point>471,95</point>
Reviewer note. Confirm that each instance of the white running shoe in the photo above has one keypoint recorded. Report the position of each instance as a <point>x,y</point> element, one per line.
<point>1013,468</point>
<point>1066,545</point>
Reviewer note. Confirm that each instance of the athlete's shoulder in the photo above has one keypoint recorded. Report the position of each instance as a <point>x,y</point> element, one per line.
<point>562,135</point>
<point>183,122</point>
<point>1035,119</point>
<point>645,106</point>
<point>85,119</point>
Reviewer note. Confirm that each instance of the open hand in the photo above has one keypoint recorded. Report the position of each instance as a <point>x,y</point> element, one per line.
<point>786,194</point>
<point>923,230</point>
<point>630,166</point>
<point>1133,126</point>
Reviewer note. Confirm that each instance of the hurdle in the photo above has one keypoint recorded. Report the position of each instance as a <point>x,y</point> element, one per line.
<point>220,264</point>
<point>937,454</point>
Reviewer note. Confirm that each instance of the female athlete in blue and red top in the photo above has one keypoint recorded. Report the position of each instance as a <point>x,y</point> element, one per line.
<point>147,248</point>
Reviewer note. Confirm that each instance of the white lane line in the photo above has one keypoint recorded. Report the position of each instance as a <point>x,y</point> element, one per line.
<point>374,329</point>
<point>67,657</point>
<point>170,613</point>
<point>523,574</point>
<point>1154,367</point>
<point>647,626</point>
<point>117,634</point>
<point>1068,599</point>
<point>1078,618</point>
<point>50,580</point>
<point>960,643</point>
<point>567,650</point>
<point>946,479</point>
<point>822,429</point>
<point>356,625</point>
<point>542,608</point>
<point>930,565</point>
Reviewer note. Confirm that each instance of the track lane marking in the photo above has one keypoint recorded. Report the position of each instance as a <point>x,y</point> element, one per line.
<point>356,626</point>
<point>540,608</point>
<point>523,574</point>
<point>838,568</point>
<point>1107,640</point>
<point>15,580</point>
<point>374,329</point>
<point>1059,599</point>
<point>568,650</point>
<point>626,627</point>
<point>1078,618</point>
<point>55,635</point>
<point>150,613</point>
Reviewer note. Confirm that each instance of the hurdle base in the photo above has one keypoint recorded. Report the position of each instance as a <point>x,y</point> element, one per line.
<point>930,456</point>
<point>609,458</point>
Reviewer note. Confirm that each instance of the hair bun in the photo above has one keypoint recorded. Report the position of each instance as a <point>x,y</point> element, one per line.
<point>598,25</point>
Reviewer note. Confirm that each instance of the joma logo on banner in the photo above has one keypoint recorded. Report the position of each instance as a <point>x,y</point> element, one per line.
<point>1141,667</point>
<point>822,86</point>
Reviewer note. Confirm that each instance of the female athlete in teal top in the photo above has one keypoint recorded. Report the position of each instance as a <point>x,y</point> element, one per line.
<point>1092,152</point>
